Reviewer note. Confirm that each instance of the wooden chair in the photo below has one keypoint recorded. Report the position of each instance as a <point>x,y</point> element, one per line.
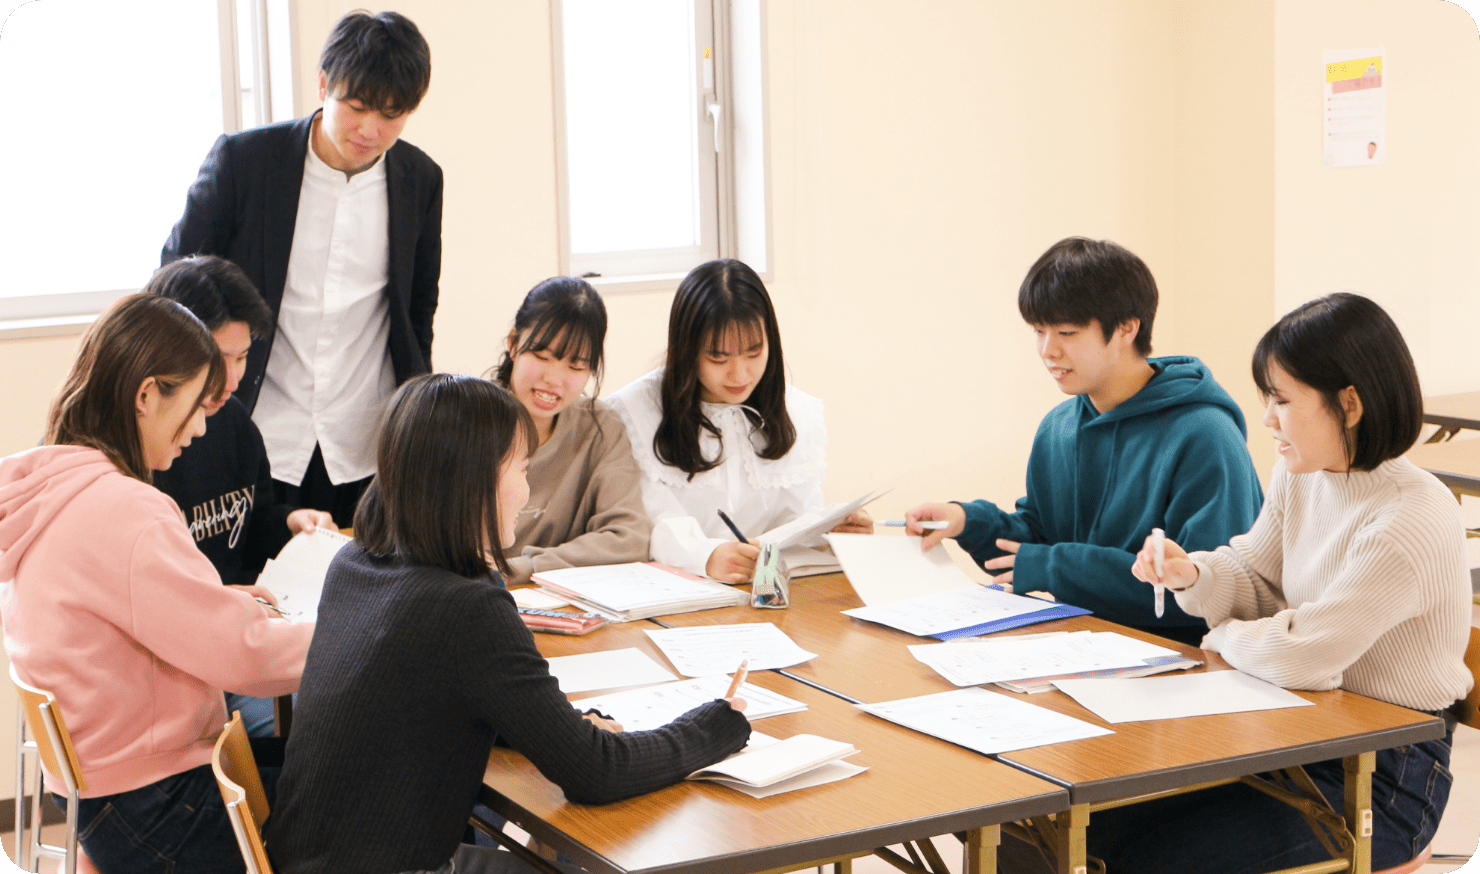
<point>52,744</point>
<point>241,789</point>
<point>1469,714</point>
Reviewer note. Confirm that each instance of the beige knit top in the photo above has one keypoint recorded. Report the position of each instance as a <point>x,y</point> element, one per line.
<point>585,499</point>
<point>1354,581</point>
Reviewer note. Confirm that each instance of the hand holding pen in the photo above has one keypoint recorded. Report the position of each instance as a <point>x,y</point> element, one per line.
<point>918,523</point>
<point>732,562</point>
<point>1177,570</point>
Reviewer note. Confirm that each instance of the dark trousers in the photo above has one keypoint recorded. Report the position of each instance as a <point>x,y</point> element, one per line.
<point>318,492</point>
<point>172,826</point>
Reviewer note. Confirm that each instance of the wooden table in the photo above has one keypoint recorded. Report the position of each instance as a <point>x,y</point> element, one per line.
<point>869,662</point>
<point>1452,413</point>
<point>916,787</point>
<point>1456,463</point>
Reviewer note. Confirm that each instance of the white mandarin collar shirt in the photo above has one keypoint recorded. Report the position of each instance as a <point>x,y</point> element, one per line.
<point>329,375</point>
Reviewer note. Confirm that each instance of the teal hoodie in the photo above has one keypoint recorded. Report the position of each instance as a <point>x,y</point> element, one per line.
<point>1173,456</point>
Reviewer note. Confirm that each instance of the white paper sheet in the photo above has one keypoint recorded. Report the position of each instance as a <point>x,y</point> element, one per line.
<point>1010,658</point>
<point>885,569</point>
<point>808,527</point>
<point>716,649</point>
<point>1202,694</point>
<point>938,612</point>
<point>610,669</point>
<point>656,706</point>
<point>984,721</point>
<point>296,576</point>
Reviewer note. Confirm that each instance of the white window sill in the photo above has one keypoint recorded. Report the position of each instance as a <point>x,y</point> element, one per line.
<point>18,329</point>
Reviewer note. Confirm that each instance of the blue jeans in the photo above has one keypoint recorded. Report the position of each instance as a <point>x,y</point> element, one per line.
<point>258,716</point>
<point>172,826</point>
<point>1236,829</point>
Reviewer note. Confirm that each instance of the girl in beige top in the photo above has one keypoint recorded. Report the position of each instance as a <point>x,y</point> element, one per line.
<point>585,500</point>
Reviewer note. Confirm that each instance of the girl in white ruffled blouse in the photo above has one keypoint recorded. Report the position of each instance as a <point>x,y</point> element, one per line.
<point>718,428</point>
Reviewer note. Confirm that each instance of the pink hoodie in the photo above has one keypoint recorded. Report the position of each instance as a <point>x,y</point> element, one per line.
<point>108,604</point>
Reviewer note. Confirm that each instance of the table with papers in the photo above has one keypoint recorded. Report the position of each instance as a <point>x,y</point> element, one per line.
<point>914,787</point>
<point>871,663</point>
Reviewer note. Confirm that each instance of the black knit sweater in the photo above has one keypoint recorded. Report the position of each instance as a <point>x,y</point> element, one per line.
<point>412,673</point>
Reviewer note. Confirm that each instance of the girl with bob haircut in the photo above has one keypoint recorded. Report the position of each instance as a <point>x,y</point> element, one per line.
<point>585,501</point>
<point>718,428</point>
<point>113,608</point>
<point>421,661</point>
<point>1353,577</point>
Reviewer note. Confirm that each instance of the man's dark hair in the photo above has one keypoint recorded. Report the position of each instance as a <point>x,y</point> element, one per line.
<point>434,499</point>
<point>1079,280</point>
<point>215,290</point>
<point>380,60</point>
<point>1343,340</point>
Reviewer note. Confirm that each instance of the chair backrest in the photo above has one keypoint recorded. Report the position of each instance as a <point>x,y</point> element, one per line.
<point>49,730</point>
<point>1469,706</point>
<point>241,788</point>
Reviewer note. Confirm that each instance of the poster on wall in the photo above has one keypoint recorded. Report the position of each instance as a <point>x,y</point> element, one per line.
<point>1355,109</point>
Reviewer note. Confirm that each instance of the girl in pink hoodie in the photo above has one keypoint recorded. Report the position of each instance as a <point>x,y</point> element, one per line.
<point>108,604</point>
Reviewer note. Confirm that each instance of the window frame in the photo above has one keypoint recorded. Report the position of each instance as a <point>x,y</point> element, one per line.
<point>72,312</point>
<point>751,209</point>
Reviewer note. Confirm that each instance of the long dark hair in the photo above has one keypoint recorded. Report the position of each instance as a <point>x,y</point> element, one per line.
<point>1343,340</point>
<point>716,298</point>
<point>564,316</point>
<point>143,335</point>
<point>434,498</point>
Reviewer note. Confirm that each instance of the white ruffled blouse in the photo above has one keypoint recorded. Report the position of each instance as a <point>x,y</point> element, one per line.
<point>757,493</point>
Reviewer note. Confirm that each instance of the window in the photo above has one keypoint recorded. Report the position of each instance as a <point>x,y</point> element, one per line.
<point>109,109</point>
<point>660,136</point>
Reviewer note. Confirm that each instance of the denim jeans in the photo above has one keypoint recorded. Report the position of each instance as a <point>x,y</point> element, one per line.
<point>258,716</point>
<point>1236,829</point>
<point>172,826</point>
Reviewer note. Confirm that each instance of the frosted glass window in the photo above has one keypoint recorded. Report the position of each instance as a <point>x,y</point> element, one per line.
<point>109,108</point>
<point>633,116</point>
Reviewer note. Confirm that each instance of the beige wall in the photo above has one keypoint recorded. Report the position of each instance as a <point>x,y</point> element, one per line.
<point>923,155</point>
<point>1403,233</point>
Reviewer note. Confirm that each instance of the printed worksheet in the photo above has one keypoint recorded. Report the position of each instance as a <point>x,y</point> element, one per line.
<point>971,663</point>
<point>718,649</point>
<point>987,722</point>
<point>965,607</point>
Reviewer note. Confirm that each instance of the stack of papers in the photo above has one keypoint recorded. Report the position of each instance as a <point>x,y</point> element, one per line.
<point>714,649</point>
<point>925,594</point>
<point>971,663</point>
<point>296,576</point>
<point>656,706</point>
<point>638,590</point>
<point>984,721</point>
<point>768,766</point>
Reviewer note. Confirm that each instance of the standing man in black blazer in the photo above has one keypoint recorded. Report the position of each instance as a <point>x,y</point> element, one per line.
<point>339,224</point>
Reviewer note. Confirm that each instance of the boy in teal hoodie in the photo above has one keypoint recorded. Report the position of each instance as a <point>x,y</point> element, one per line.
<point>1145,443</point>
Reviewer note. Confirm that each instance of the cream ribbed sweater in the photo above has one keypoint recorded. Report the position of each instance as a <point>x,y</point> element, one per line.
<point>1356,581</point>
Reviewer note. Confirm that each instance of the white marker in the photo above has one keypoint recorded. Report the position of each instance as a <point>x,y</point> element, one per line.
<point>927,524</point>
<point>1159,557</point>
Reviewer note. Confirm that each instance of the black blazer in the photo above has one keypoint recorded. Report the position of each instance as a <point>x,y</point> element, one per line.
<point>243,205</point>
